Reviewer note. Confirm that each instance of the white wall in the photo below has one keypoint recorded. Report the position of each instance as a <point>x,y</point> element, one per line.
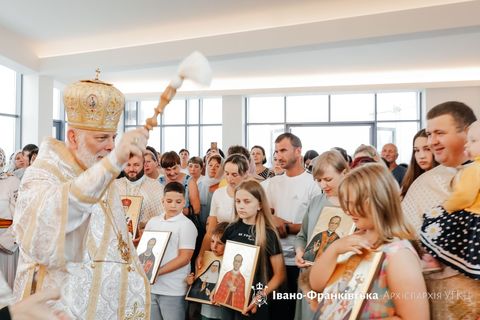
<point>232,117</point>
<point>30,110</point>
<point>467,95</point>
<point>37,109</point>
<point>16,52</point>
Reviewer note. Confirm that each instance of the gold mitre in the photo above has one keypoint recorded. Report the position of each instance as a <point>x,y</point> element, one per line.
<point>93,105</point>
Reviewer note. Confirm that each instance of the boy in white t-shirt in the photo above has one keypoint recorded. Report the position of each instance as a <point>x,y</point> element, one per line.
<point>169,289</point>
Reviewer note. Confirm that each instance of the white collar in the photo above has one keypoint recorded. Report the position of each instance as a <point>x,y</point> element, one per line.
<point>137,182</point>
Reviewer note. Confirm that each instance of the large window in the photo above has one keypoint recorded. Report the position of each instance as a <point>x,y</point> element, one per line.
<point>9,110</point>
<point>336,120</point>
<point>58,129</point>
<point>185,123</point>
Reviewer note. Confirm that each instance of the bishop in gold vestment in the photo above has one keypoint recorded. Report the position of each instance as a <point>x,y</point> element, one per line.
<point>69,221</point>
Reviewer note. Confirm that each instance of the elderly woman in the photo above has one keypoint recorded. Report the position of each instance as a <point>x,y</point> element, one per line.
<point>150,163</point>
<point>17,164</point>
<point>365,153</point>
<point>9,184</point>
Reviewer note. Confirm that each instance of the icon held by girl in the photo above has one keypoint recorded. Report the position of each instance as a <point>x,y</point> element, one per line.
<point>253,229</point>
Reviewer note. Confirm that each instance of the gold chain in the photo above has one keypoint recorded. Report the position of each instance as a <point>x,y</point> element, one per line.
<point>122,246</point>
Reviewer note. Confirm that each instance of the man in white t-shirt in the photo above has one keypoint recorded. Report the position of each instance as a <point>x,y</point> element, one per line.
<point>289,195</point>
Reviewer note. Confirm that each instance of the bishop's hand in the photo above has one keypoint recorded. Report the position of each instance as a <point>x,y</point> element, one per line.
<point>132,143</point>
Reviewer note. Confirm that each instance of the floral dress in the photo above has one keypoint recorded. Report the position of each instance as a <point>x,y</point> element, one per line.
<point>380,307</point>
<point>451,232</point>
<point>383,307</point>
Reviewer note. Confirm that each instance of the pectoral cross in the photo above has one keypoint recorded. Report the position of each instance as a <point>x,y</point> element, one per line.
<point>123,248</point>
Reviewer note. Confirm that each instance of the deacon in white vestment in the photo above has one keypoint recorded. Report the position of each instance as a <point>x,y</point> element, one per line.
<point>69,221</point>
<point>136,183</point>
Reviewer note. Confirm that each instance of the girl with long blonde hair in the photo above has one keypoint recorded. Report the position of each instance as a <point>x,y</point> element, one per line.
<point>254,225</point>
<point>370,195</point>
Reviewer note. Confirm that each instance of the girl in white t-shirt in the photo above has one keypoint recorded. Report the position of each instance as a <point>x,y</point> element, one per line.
<point>235,170</point>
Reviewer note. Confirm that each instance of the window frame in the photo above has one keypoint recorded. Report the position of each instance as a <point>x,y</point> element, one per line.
<point>17,116</point>
<point>59,124</point>
<point>375,122</point>
<point>187,125</point>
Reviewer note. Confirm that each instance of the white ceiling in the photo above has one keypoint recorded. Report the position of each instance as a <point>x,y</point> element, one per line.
<point>58,27</point>
<point>251,44</point>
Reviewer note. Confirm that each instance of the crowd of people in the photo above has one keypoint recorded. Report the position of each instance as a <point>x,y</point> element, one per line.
<point>64,236</point>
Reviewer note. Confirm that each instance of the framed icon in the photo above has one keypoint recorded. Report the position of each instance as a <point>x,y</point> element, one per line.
<point>206,279</point>
<point>132,206</point>
<point>236,275</point>
<point>150,250</point>
<point>332,224</point>
<point>353,277</point>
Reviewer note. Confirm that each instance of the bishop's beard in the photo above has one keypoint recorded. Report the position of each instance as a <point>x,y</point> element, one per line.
<point>86,157</point>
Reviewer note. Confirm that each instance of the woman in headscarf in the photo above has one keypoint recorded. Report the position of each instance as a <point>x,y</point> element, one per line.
<point>8,248</point>
<point>17,164</point>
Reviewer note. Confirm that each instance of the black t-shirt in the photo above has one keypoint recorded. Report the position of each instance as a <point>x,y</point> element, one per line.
<point>244,233</point>
<point>5,313</point>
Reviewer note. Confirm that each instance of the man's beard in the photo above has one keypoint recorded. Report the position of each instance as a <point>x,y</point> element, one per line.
<point>136,177</point>
<point>290,163</point>
<point>85,156</point>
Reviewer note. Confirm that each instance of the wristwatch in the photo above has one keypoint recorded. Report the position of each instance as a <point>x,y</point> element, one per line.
<point>287,228</point>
